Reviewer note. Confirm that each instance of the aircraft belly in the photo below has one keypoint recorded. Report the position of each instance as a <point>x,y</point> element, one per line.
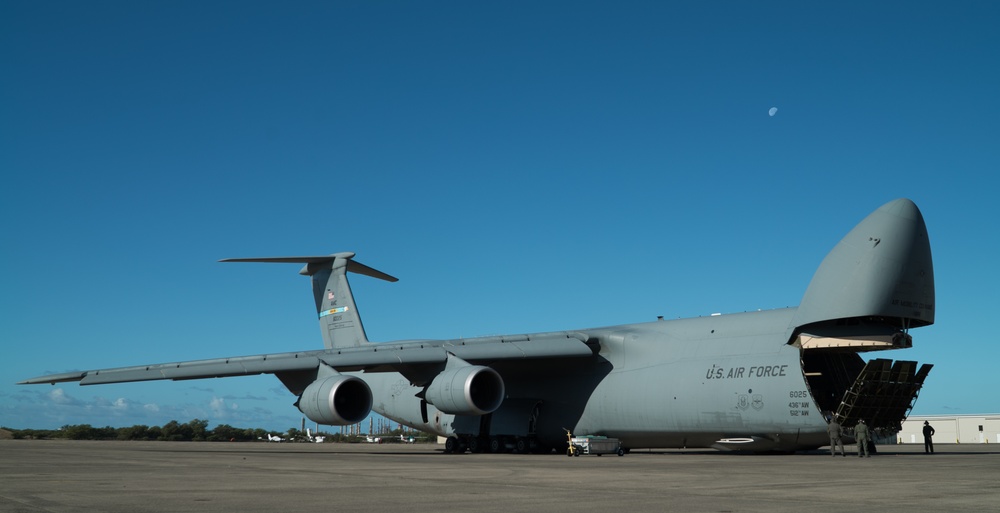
<point>698,400</point>
<point>394,398</point>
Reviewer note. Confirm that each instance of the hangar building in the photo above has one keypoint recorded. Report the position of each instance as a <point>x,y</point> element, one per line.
<point>952,429</point>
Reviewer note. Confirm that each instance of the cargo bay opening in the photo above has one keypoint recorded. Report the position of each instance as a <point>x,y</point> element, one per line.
<point>880,391</point>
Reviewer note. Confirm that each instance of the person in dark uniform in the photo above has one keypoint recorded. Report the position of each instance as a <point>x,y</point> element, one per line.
<point>861,435</point>
<point>835,433</point>
<point>928,433</point>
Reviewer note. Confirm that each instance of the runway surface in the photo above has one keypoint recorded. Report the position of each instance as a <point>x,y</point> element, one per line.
<point>75,476</point>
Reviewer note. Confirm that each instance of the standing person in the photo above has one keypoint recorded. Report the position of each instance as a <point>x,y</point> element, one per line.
<point>861,435</point>
<point>835,433</point>
<point>928,433</point>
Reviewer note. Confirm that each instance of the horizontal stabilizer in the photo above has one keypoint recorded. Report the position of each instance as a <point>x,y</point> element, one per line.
<point>339,320</point>
<point>314,262</point>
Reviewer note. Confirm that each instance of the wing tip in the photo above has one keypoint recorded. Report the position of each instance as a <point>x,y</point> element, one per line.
<point>52,379</point>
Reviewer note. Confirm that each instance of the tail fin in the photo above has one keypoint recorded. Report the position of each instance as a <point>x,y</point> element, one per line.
<point>338,315</point>
<point>880,270</point>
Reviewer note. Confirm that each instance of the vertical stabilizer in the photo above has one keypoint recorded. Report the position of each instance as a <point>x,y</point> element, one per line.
<point>881,269</point>
<point>339,320</point>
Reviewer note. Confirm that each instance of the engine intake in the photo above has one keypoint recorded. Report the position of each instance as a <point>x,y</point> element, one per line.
<point>467,390</point>
<point>336,400</point>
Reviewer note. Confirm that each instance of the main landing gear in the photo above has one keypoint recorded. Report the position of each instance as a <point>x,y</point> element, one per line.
<point>493,444</point>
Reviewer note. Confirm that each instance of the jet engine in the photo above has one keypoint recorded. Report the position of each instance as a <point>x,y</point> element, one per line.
<point>336,400</point>
<point>466,390</point>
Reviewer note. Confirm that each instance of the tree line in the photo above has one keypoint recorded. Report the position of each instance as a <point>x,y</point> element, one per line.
<point>195,430</point>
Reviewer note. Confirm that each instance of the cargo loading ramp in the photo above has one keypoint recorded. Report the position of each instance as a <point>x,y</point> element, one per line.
<point>883,394</point>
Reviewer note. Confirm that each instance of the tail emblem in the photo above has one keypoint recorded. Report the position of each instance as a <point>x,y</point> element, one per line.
<point>332,311</point>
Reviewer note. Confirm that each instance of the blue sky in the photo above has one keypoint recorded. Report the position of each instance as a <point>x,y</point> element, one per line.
<point>520,166</point>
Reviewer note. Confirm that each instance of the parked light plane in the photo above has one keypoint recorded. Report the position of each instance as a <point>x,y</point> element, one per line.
<point>757,381</point>
<point>316,439</point>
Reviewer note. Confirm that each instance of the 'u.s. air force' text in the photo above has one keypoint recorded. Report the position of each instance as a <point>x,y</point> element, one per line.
<point>761,371</point>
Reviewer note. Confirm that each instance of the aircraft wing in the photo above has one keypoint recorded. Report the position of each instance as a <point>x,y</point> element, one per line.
<point>369,358</point>
<point>195,369</point>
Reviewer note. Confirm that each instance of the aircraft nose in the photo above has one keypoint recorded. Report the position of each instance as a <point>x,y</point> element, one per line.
<point>881,268</point>
<point>902,207</point>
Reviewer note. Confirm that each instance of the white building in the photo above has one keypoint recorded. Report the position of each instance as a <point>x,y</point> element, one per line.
<point>952,429</point>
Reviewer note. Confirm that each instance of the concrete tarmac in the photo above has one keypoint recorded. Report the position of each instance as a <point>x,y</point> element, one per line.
<point>128,477</point>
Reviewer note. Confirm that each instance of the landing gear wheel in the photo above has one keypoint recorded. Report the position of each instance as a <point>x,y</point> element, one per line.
<point>451,445</point>
<point>475,445</point>
<point>621,452</point>
<point>496,444</point>
<point>521,445</point>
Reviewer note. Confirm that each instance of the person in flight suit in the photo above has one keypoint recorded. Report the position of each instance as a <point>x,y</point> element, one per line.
<point>861,435</point>
<point>835,433</point>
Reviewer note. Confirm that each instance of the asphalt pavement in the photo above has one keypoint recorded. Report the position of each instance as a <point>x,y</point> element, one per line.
<point>76,476</point>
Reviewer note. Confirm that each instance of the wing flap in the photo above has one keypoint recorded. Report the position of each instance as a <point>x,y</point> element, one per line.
<point>480,351</point>
<point>503,349</point>
<point>198,369</point>
<point>379,355</point>
<point>195,369</point>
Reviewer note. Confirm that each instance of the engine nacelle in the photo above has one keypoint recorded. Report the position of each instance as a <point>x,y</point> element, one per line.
<point>336,400</point>
<point>467,390</point>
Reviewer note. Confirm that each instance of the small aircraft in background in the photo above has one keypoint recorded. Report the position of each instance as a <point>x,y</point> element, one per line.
<point>373,439</point>
<point>315,439</point>
<point>274,438</point>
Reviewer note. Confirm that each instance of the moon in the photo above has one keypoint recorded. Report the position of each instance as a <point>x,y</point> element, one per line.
<point>772,111</point>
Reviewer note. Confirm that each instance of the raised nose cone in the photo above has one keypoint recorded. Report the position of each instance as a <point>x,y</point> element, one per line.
<point>882,269</point>
<point>903,208</point>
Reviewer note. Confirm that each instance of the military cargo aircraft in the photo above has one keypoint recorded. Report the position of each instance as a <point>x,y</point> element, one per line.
<point>755,381</point>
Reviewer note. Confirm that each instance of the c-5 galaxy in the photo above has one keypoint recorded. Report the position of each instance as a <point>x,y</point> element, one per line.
<point>755,381</point>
